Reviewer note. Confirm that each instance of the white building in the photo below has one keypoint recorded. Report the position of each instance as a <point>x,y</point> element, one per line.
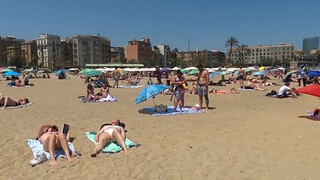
<point>253,55</point>
<point>164,50</point>
<point>90,50</point>
<point>48,50</point>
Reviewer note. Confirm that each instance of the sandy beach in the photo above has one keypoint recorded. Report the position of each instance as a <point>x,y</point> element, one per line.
<point>245,136</point>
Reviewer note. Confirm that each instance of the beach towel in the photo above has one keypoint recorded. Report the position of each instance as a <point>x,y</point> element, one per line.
<point>109,98</point>
<point>130,86</point>
<point>16,107</point>
<point>37,149</point>
<point>111,147</point>
<point>169,112</point>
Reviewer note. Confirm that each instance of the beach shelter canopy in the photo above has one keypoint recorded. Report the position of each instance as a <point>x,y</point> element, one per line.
<point>28,70</point>
<point>74,69</point>
<point>258,73</point>
<point>193,72</point>
<point>61,71</point>
<point>313,90</point>
<point>84,71</point>
<point>11,73</point>
<point>262,68</point>
<point>94,73</point>
<point>213,74</point>
<point>5,70</point>
<point>191,68</point>
<point>2,68</point>
<point>313,73</point>
<point>175,68</point>
<point>150,92</point>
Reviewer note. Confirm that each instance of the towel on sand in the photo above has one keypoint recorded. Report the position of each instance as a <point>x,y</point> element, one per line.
<point>169,112</point>
<point>130,86</point>
<point>111,147</point>
<point>37,149</point>
<point>16,107</point>
<point>109,98</point>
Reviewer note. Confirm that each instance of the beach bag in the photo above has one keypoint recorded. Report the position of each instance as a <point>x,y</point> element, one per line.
<point>160,108</point>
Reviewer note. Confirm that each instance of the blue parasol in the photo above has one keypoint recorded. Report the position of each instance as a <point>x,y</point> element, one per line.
<point>94,73</point>
<point>11,73</point>
<point>61,71</point>
<point>150,92</point>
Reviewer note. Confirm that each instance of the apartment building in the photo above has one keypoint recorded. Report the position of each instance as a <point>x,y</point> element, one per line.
<point>4,43</point>
<point>13,51</point>
<point>48,50</point>
<point>311,44</point>
<point>209,57</point>
<point>66,53</point>
<point>89,49</point>
<point>29,51</point>
<point>138,51</point>
<point>165,51</point>
<point>254,55</point>
<point>117,54</point>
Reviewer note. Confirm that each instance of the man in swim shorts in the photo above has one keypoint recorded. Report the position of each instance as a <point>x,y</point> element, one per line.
<point>116,77</point>
<point>203,82</point>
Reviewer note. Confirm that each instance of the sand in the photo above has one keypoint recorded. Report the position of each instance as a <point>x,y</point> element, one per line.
<point>245,136</point>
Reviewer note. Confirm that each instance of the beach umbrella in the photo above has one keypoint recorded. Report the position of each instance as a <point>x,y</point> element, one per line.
<point>11,73</point>
<point>2,68</point>
<point>94,73</point>
<point>184,71</point>
<point>213,74</point>
<point>5,70</point>
<point>195,71</point>
<point>84,71</point>
<point>258,73</point>
<point>313,90</point>
<point>165,69</point>
<point>224,73</point>
<point>262,68</point>
<point>61,71</point>
<point>150,92</point>
<point>313,73</point>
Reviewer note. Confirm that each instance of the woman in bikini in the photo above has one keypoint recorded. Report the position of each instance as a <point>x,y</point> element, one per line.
<point>51,140</point>
<point>90,93</point>
<point>110,132</point>
<point>217,91</point>
<point>7,101</point>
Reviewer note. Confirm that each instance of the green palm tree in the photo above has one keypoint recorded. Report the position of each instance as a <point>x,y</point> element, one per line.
<point>231,42</point>
<point>243,50</point>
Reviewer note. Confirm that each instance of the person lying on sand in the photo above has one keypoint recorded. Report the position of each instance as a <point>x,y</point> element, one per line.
<point>218,91</point>
<point>51,140</point>
<point>110,132</point>
<point>7,101</point>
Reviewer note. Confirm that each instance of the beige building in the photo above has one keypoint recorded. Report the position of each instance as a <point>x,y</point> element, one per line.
<point>29,51</point>
<point>209,57</point>
<point>12,51</point>
<point>254,55</point>
<point>138,51</point>
<point>4,43</point>
<point>48,50</point>
<point>90,50</point>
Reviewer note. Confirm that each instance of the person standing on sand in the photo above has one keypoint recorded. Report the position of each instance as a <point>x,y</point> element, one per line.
<point>158,74</point>
<point>241,76</point>
<point>203,82</point>
<point>116,77</point>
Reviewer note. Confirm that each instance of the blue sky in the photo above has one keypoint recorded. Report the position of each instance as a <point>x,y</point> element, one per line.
<point>207,24</point>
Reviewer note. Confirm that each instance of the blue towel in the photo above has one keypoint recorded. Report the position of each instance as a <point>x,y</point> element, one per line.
<point>111,147</point>
<point>169,112</point>
<point>37,149</point>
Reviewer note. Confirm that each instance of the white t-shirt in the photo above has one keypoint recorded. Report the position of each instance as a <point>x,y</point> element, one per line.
<point>283,89</point>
